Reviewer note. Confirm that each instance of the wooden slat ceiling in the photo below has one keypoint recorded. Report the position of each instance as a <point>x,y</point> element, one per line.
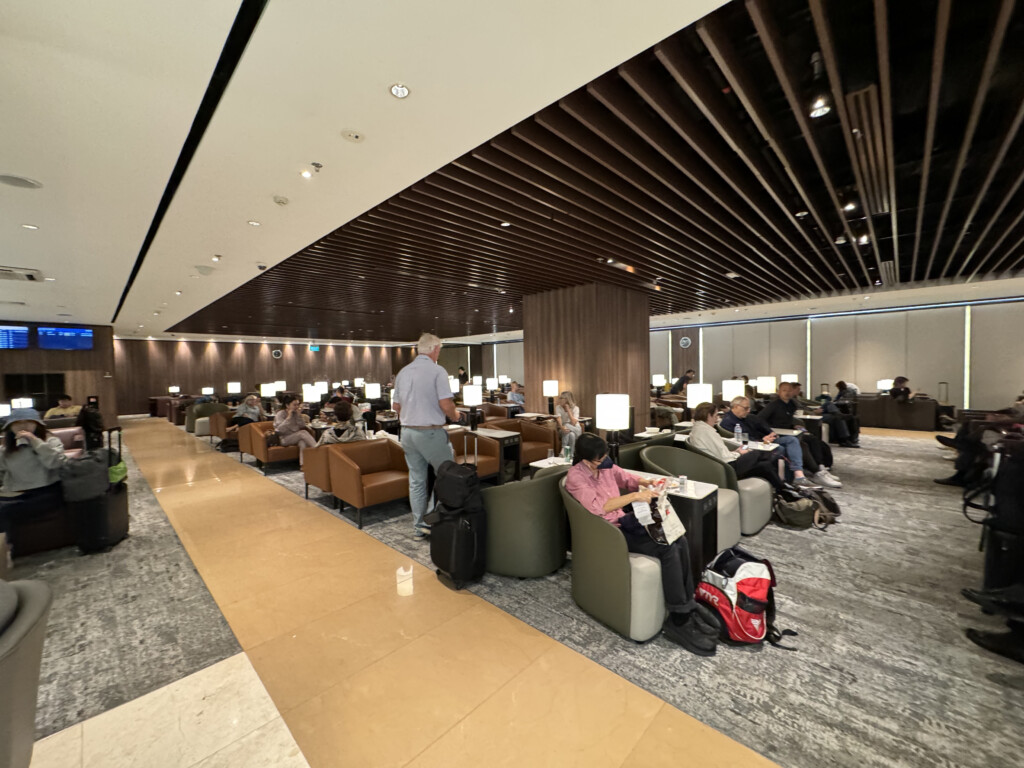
<point>696,159</point>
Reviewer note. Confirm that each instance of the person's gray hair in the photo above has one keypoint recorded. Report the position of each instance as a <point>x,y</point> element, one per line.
<point>428,343</point>
<point>739,401</point>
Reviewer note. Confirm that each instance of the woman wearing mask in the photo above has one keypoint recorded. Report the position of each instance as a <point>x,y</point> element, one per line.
<point>30,459</point>
<point>568,415</point>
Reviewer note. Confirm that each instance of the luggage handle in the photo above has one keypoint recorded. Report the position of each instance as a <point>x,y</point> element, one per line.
<point>465,449</point>
<point>110,443</point>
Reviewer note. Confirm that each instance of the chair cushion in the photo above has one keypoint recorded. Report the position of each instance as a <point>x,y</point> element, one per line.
<point>202,427</point>
<point>387,485</point>
<point>282,453</point>
<point>485,465</point>
<point>8,602</point>
<point>646,597</point>
<point>755,504</point>
<point>729,532</point>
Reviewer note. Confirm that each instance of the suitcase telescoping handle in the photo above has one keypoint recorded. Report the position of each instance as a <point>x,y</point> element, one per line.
<point>476,448</point>
<point>110,445</point>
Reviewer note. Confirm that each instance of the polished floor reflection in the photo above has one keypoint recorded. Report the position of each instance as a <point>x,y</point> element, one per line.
<point>366,657</point>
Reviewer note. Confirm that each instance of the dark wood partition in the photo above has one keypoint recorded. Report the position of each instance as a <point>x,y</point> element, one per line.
<point>684,357</point>
<point>593,339</point>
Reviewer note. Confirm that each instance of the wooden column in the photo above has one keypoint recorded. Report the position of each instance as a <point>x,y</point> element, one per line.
<point>685,357</point>
<point>593,339</point>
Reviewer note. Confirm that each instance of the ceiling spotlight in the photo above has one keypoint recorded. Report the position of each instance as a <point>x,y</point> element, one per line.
<point>253,223</point>
<point>800,214</point>
<point>177,293</point>
<point>33,226</point>
<point>610,261</point>
<point>850,207</point>
<point>731,275</point>
<point>821,104</point>
<point>50,279</point>
<point>862,240</point>
<point>307,174</point>
<point>866,298</point>
<point>155,314</point>
<point>510,310</point>
<point>216,257</point>
<point>878,282</point>
<point>841,240</point>
<point>142,326</point>
<point>506,223</point>
<point>399,91</point>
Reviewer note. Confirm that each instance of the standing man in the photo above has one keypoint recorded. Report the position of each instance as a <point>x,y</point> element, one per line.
<point>423,398</point>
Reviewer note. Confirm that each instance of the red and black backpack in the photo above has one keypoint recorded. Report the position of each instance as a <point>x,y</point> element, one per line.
<point>738,587</point>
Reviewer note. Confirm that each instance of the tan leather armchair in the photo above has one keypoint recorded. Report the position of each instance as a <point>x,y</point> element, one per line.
<point>219,425</point>
<point>368,472</point>
<point>535,438</point>
<point>493,412</point>
<point>316,469</point>
<point>486,451</point>
<point>252,439</point>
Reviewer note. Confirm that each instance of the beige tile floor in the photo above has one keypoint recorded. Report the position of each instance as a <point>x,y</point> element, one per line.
<point>368,659</point>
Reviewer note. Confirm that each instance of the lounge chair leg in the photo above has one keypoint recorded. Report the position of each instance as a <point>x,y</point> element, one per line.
<point>307,491</point>
<point>359,518</point>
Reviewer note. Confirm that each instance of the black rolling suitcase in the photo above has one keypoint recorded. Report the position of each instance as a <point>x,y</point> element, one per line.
<point>101,522</point>
<point>458,533</point>
<point>1002,501</point>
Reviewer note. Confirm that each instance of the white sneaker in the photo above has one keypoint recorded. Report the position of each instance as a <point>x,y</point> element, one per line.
<point>834,476</point>
<point>825,479</point>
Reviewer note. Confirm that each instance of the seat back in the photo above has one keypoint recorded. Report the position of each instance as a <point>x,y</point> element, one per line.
<point>252,438</point>
<point>527,529</point>
<point>21,652</point>
<point>369,455</point>
<point>728,473</point>
<point>600,566</point>
<point>219,424</point>
<point>493,412</point>
<point>697,466</point>
<point>72,438</point>
<point>316,468</point>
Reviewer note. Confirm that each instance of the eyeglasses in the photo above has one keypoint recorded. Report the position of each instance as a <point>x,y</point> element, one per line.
<point>742,407</point>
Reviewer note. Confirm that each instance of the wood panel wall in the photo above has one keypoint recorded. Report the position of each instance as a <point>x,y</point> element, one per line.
<point>86,372</point>
<point>682,359</point>
<point>147,368</point>
<point>593,339</point>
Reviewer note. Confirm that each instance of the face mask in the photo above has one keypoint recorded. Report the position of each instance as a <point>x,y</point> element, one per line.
<point>607,463</point>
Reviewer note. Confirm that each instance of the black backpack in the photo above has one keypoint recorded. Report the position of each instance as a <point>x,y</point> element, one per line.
<point>458,487</point>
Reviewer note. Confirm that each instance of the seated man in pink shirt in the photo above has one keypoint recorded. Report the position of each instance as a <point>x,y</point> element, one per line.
<point>608,492</point>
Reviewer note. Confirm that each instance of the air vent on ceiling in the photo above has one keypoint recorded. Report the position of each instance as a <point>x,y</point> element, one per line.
<point>869,142</point>
<point>888,273</point>
<point>21,273</point>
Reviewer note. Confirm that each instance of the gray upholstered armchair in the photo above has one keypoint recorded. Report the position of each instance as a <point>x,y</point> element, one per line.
<point>620,589</point>
<point>668,460</point>
<point>24,607</point>
<point>755,494</point>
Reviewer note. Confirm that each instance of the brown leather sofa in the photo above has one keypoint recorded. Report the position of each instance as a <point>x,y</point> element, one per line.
<point>252,439</point>
<point>73,439</point>
<point>367,472</point>
<point>534,438</point>
<point>485,453</point>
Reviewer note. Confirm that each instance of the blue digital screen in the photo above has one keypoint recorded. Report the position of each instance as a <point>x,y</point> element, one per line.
<point>65,338</point>
<point>13,337</point>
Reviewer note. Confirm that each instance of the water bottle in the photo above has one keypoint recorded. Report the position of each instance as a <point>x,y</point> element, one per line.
<point>738,432</point>
<point>682,484</point>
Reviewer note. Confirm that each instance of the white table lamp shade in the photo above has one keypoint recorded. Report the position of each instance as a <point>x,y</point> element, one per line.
<point>173,390</point>
<point>659,380</point>
<point>5,410</point>
<point>550,388</point>
<point>790,377</point>
<point>21,402</point>
<point>884,384</point>
<point>472,394</point>
<point>207,390</point>
<point>234,387</point>
<point>281,385</point>
<point>732,388</point>
<point>697,394</point>
<point>503,379</point>
<point>322,387</point>
<point>612,412</point>
<point>345,382</point>
<point>310,394</point>
<point>360,382</point>
<point>335,384</point>
<point>765,385</point>
<point>492,384</point>
<point>478,381</point>
<point>268,390</point>
<point>372,391</point>
<point>453,383</point>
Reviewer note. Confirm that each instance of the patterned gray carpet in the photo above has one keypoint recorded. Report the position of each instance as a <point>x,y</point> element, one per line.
<point>883,676</point>
<point>123,623</point>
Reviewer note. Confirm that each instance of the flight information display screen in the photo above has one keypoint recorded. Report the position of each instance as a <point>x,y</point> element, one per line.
<point>13,337</point>
<point>64,338</point>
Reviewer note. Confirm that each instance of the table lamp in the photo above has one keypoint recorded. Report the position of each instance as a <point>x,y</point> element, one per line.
<point>732,388</point>
<point>372,391</point>
<point>322,387</point>
<point>234,387</point>
<point>206,391</point>
<point>478,381</point>
<point>492,384</point>
<point>5,410</point>
<point>658,380</point>
<point>697,394</point>
<point>472,395</point>
<point>360,382</point>
<point>612,415</point>
<point>310,394</point>
<point>268,390</point>
<point>790,377</point>
<point>884,385</point>
<point>550,390</point>
<point>453,383</point>
<point>335,384</point>
<point>173,390</point>
<point>281,385</point>
<point>21,402</point>
<point>765,385</point>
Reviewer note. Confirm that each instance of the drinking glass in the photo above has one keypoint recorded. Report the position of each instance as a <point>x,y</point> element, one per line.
<point>551,453</point>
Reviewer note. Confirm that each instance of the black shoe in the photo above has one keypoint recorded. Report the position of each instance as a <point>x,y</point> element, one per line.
<point>1008,644</point>
<point>847,444</point>
<point>707,620</point>
<point>691,638</point>
<point>946,441</point>
<point>954,480</point>
<point>1003,600</point>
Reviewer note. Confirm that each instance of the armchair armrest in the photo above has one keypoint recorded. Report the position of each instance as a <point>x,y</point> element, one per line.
<point>315,467</point>
<point>396,455</point>
<point>346,476</point>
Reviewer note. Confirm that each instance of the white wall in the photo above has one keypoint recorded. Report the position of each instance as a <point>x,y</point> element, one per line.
<point>787,349</point>
<point>660,342</point>
<point>717,351</point>
<point>510,360</point>
<point>935,351</point>
<point>997,363</point>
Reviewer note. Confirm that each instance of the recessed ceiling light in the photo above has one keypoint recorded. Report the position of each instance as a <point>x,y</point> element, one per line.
<point>735,310</point>
<point>399,91</point>
<point>800,214</point>
<point>850,207</point>
<point>216,257</point>
<point>155,314</point>
<point>253,223</point>
<point>506,223</point>
<point>50,279</point>
<point>19,181</point>
<point>195,277</point>
<point>142,326</point>
<point>307,174</point>
<point>29,226</point>
<point>866,298</point>
<point>177,293</point>
<point>731,275</point>
<point>863,240</point>
<point>510,310</point>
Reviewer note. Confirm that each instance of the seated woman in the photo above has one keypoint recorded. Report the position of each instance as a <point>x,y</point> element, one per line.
<point>248,412</point>
<point>348,430</point>
<point>30,459</point>
<point>607,491</point>
<point>291,427</point>
<point>568,415</point>
<point>746,462</point>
